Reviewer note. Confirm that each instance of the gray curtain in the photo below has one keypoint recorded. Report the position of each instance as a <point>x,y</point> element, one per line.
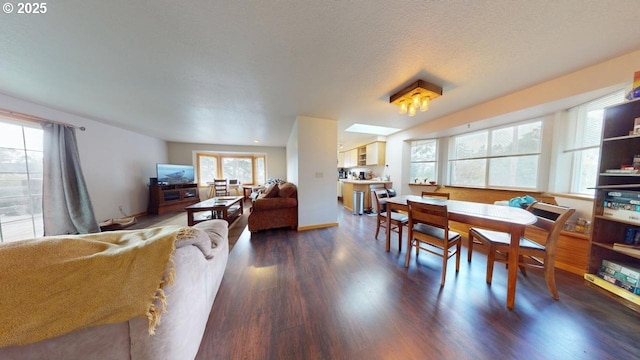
<point>66,205</point>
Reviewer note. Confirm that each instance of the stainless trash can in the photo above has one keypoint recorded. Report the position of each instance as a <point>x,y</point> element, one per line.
<point>358,202</point>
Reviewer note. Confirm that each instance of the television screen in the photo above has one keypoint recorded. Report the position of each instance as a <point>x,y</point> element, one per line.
<point>175,174</point>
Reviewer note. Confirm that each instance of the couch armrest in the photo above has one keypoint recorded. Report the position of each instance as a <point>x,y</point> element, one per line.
<point>274,203</point>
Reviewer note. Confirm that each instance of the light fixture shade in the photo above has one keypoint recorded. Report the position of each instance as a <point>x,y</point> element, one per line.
<point>403,107</point>
<point>424,103</point>
<point>415,98</point>
<point>419,94</point>
<point>412,110</point>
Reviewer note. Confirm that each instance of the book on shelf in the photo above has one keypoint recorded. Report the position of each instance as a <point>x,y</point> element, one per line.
<point>627,248</point>
<point>623,205</point>
<point>619,283</point>
<point>620,276</point>
<point>626,268</point>
<point>622,171</point>
<point>627,295</point>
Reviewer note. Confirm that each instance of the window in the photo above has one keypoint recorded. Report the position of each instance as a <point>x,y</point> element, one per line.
<point>20,181</point>
<point>583,140</point>
<point>207,166</point>
<point>247,169</point>
<point>505,157</point>
<point>240,168</point>
<point>423,161</point>
<point>260,170</point>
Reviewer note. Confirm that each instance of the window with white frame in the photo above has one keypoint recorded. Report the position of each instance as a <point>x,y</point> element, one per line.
<point>504,157</point>
<point>583,141</point>
<point>20,181</point>
<point>424,165</point>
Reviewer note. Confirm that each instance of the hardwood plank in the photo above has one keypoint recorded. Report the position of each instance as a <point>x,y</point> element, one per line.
<point>335,293</point>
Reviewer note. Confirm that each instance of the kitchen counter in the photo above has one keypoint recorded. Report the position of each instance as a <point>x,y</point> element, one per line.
<point>366,181</point>
<point>349,186</point>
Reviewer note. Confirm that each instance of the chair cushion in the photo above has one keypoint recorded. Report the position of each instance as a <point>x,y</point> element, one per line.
<point>271,191</point>
<point>286,190</point>
<point>501,238</point>
<point>396,216</point>
<point>433,231</point>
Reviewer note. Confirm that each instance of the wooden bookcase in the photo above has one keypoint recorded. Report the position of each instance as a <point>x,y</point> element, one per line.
<point>618,147</point>
<point>166,198</point>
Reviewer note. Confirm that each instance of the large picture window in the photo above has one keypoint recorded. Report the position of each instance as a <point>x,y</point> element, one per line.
<point>505,157</point>
<point>583,141</point>
<point>424,165</point>
<point>247,169</point>
<point>20,181</point>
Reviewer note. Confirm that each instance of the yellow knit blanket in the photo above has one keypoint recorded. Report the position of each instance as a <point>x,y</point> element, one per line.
<point>54,285</point>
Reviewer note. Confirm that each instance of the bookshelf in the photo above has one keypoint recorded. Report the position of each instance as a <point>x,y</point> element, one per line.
<point>609,225</point>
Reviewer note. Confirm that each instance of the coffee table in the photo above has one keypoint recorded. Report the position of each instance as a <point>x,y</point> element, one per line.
<point>225,208</point>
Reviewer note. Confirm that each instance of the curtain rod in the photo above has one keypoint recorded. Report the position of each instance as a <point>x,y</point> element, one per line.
<point>31,118</point>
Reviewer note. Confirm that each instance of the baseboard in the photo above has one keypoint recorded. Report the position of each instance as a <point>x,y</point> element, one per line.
<point>317,226</point>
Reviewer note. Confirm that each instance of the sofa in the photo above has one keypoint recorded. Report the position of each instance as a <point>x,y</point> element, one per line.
<point>275,207</point>
<point>198,267</point>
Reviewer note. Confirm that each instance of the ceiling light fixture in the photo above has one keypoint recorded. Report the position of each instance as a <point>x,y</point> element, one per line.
<point>415,96</point>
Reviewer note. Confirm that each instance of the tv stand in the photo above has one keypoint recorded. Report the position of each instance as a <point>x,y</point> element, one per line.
<point>173,197</point>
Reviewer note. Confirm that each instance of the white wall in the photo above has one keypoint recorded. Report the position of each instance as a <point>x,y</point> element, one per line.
<point>292,155</point>
<point>316,141</point>
<point>116,163</point>
<point>534,101</point>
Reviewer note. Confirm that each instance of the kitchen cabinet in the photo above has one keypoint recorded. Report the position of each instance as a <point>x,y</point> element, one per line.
<point>375,153</point>
<point>351,158</point>
<point>360,185</point>
<point>341,160</point>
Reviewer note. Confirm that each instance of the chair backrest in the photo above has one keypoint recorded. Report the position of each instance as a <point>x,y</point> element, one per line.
<point>220,185</point>
<point>435,194</point>
<point>431,214</point>
<point>381,196</point>
<point>551,219</point>
<point>233,181</point>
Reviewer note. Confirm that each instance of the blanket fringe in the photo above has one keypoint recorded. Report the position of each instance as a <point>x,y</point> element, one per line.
<point>158,305</point>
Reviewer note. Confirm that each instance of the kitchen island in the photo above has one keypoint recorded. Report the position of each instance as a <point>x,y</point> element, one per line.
<point>361,185</point>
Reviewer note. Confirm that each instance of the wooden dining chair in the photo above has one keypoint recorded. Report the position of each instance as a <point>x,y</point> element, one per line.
<point>550,219</point>
<point>220,187</point>
<point>398,220</point>
<point>433,194</point>
<point>429,231</point>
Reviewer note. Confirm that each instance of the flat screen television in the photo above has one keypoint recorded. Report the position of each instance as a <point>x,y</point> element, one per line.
<point>175,174</point>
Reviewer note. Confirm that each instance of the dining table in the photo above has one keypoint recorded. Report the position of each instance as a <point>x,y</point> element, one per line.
<point>507,219</point>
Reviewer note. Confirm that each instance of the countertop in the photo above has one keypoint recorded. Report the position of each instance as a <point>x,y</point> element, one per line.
<point>366,181</point>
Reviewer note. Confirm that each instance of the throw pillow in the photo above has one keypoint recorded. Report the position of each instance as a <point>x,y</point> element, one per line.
<point>286,190</point>
<point>272,191</point>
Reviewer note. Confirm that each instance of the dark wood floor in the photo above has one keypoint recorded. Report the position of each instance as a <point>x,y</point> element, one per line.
<point>336,294</point>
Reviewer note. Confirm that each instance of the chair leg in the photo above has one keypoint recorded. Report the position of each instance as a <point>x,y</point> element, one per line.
<point>406,259</point>
<point>377,230</point>
<point>444,266</point>
<point>458,248</point>
<point>491,257</point>
<point>550,278</point>
<point>470,247</point>
<point>399,237</point>
<point>522,268</point>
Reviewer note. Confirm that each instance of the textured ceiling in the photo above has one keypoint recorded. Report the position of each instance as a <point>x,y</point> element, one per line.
<point>231,72</point>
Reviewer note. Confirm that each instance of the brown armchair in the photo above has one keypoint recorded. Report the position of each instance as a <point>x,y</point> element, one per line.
<point>275,207</point>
